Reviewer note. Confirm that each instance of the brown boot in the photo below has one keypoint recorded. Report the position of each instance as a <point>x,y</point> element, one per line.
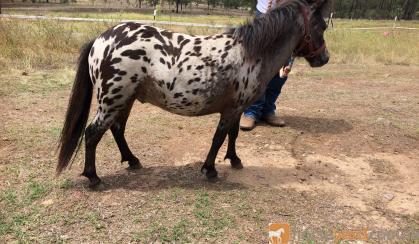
<point>247,123</point>
<point>274,120</point>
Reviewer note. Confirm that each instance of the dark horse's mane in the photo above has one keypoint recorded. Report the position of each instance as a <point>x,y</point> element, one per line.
<point>259,36</point>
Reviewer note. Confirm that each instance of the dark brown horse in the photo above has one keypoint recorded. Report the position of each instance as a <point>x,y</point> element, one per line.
<point>187,75</point>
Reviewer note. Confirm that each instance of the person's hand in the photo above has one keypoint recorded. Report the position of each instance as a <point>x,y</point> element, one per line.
<point>287,70</point>
<point>284,71</point>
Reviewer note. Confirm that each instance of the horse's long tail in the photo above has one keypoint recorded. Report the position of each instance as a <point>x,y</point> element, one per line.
<point>77,111</point>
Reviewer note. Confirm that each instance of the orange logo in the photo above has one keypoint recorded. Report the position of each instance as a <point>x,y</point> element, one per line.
<point>279,233</point>
<point>351,235</point>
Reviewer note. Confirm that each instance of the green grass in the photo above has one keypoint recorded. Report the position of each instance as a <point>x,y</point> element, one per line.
<point>156,231</point>
<point>202,208</point>
<point>204,220</point>
<point>65,184</point>
<point>95,220</point>
<point>18,212</point>
<point>9,196</point>
<point>214,220</point>
<point>35,191</point>
<point>180,231</point>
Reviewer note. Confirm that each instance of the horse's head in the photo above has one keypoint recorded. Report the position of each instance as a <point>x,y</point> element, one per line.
<point>312,45</point>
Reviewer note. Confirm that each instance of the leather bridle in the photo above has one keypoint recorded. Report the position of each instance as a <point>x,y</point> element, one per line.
<point>307,40</point>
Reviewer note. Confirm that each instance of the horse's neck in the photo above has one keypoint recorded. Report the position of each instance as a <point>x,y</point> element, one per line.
<point>272,62</point>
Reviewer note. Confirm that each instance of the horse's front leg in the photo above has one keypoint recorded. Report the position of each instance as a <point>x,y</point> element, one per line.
<point>226,123</point>
<point>231,149</point>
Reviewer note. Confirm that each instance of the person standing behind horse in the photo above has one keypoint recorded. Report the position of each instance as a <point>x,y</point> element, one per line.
<point>264,108</point>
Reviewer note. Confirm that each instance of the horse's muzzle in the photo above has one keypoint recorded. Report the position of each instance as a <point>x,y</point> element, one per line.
<point>320,59</point>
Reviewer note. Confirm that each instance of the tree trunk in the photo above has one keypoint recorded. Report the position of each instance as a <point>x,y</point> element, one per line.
<point>352,9</point>
<point>340,5</point>
<point>177,6</point>
<point>409,9</point>
<point>355,9</point>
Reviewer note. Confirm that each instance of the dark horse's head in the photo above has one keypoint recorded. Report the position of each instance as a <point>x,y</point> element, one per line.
<point>297,24</point>
<point>312,45</point>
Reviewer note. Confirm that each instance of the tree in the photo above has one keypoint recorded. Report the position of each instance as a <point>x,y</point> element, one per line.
<point>375,9</point>
<point>409,9</point>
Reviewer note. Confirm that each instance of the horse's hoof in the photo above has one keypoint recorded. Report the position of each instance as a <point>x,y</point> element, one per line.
<point>134,164</point>
<point>99,186</point>
<point>237,165</point>
<point>235,162</point>
<point>93,178</point>
<point>211,173</point>
<point>95,183</point>
<point>203,169</point>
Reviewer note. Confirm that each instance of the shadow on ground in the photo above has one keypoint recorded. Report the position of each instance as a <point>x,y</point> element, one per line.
<point>189,177</point>
<point>318,125</point>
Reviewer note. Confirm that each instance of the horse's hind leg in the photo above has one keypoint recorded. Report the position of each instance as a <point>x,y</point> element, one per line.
<point>118,130</point>
<point>93,134</point>
<point>231,149</point>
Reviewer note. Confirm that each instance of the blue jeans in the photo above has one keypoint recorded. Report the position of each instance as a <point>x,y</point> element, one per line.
<point>266,104</point>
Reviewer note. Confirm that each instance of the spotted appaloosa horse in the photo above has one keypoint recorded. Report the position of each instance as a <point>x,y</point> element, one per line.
<point>187,75</point>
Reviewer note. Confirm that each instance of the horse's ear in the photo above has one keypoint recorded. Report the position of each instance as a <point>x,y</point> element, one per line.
<point>326,7</point>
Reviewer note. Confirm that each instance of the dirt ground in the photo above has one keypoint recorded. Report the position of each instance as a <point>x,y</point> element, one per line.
<point>348,159</point>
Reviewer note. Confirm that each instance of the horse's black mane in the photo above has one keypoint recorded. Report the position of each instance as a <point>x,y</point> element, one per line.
<point>259,36</point>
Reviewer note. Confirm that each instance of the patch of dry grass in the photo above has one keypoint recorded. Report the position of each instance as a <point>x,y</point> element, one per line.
<point>373,47</point>
<point>55,44</point>
<point>207,19</point>
<point>48,44</point>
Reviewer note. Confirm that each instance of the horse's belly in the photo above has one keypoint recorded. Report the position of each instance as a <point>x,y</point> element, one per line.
<point>183,107</point>
<point>182,97</point>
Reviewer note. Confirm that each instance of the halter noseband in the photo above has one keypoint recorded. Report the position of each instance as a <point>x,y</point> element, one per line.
<point>307,39</point>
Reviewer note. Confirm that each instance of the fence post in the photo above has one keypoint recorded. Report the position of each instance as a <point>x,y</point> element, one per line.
<point>330,19</point>
<point>395,22</point>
